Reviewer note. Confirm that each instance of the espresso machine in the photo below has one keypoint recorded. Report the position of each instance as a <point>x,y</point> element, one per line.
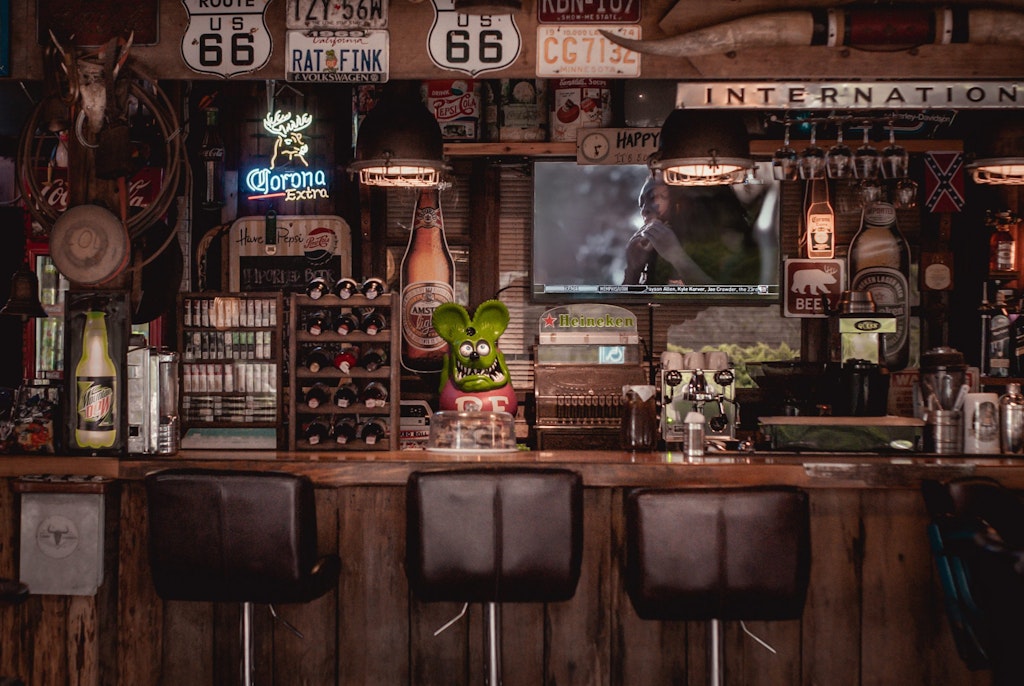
<point>153,426</point>
<point>702,383</point>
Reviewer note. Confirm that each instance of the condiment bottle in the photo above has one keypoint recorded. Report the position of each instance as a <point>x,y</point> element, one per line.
<point>1011,420</point>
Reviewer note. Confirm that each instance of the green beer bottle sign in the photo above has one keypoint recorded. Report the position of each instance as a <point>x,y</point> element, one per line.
<point>96,384</point>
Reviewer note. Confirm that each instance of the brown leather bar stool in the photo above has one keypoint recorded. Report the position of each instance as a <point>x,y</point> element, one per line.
<point>494,535</point>
<point>236,536</point>
<point>718,554</point>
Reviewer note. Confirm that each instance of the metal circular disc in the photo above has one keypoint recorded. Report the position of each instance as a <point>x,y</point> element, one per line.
<point>89,244</point>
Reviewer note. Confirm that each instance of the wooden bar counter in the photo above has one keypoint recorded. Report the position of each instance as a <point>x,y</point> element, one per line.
<point>874,613</point>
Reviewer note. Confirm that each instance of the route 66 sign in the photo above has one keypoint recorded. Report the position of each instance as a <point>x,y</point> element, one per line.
<point>472,43</point>
<point>226,37</point>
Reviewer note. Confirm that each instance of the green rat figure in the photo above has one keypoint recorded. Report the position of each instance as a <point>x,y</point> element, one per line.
<point>474,376</point>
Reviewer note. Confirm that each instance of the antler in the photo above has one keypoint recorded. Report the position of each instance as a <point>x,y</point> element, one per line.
<point>278,123</point>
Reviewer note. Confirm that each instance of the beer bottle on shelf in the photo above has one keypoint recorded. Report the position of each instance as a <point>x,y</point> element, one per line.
<point>344,430</point>
<point>316,359</point>
<point>345,323</point>
<point>372,322</point>
<point>96,386</point>
<point>316,395</point>
<point>821,221</point>
<point>346,357</point>
<point>428,279</point>
<point>211,152</point>
<point>1002,244</point>
<point>373,431</point>
<point>374,358</point>
<point>879,262</point>
<point>317,288</point>
<point>316,432</point>
<point>345,288</point>
<point>998,353</point>
<point>374,394</point>
<point>317,322</point>
<point>347,395</point>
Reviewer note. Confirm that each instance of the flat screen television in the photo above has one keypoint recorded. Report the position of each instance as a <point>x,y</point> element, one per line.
<point>617,233</point>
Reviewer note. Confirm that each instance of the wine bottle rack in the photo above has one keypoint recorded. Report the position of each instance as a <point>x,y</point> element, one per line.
<point>301,342</point>
<point>231,360</point>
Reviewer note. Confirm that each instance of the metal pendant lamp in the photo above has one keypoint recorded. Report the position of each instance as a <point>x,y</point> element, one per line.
<point>998,149</point>
<point>24,300</point>
<point>488,6</point>
<point>399,143</point>
<point>703,148</point>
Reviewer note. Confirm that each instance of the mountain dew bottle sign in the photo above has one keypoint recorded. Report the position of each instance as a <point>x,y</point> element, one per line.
<point>96,383</point>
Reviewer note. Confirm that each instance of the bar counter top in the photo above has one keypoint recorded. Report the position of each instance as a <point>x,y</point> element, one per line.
<point>611,468</point>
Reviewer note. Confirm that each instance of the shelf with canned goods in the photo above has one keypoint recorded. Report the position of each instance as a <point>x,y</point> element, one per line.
<point>344,372</point>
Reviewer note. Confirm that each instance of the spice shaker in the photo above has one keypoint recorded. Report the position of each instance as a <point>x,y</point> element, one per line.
<point>1011,420</point>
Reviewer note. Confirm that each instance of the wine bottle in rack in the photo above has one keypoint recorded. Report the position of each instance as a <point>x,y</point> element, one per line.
<point>345,288</point>
<point>316,432</point>
<point>372,322</point>
<point>373,431</point>
<point>316,395</point>
<point>345,323</point>
<point>373,288</point>
<point>374,394</point>
<point>374,358</point>
<point>317,288</point>
<point>347,395</point>
<point>316,359</point>
<point>345,430</point>
<point>317,322</point>
<point>345,358</point>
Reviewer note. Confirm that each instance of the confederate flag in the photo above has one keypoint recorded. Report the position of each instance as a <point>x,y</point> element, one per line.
<point>944,181</point>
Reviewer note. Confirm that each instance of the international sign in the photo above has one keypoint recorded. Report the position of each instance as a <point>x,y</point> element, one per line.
<point>227,37</point>
<point>588,11</point>
<point>336,14</point>
<point>472,43</point>
<point>337,56</point>
<point>808,282</point>
<point>581,51</point>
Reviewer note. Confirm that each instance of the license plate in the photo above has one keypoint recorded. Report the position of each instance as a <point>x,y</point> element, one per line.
<point>337,14</point>
<point>588,11</point>
<point>581,51</point>
<point>337,56</point>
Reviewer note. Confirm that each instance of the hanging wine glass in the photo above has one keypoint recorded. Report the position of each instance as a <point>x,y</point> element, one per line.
<point>894,157</point>
<point>866,159</point>
<point>905,194</point>
<point>784,161</point>
<point>812,159</point>
<point>839,159</point>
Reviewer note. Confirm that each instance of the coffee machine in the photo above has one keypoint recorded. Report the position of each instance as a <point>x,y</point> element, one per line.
<point>152,401</point>
<point>711,392</point>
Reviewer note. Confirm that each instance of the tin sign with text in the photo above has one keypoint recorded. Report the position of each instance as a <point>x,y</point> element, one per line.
<point>337,14</point>
<point>588,11</point>
<point>226,41</point>
<point>337,56</point>
<point>616,146</point>
<point>570,51</point>
<point>808,282</point>
<point>472,43</point>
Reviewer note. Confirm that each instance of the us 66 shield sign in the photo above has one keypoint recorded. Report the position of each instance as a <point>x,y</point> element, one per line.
<point>226,41</point>
<point>472,43</point>
<point>578,51</point>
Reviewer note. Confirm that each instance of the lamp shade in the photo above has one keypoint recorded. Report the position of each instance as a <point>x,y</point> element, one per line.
<point>399,142</point>
<point>997,145</point>
<point>703,148</point>
<point>488,6</point>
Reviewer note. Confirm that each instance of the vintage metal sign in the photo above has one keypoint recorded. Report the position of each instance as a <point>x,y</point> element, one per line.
<point>226,37</point>
<point>337,56</point>
<point>577,51</point>
<point>337,14</point>
<point>588,11</point>
<point>472,43</point>
<point>616,146</point>
<point>852,95</point>
<point>808,282</point>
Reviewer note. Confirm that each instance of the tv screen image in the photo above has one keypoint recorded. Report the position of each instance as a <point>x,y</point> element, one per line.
<point>617,232</point>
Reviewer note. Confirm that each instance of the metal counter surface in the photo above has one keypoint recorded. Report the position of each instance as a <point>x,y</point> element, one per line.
<point>611,468</point>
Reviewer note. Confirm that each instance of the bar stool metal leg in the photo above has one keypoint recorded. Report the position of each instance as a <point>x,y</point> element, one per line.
<point>492,621</point>
<point>247,644</point>
<point>716,655</point>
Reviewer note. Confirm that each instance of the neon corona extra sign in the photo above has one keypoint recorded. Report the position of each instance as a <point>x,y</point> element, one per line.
<point>295,181</point>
